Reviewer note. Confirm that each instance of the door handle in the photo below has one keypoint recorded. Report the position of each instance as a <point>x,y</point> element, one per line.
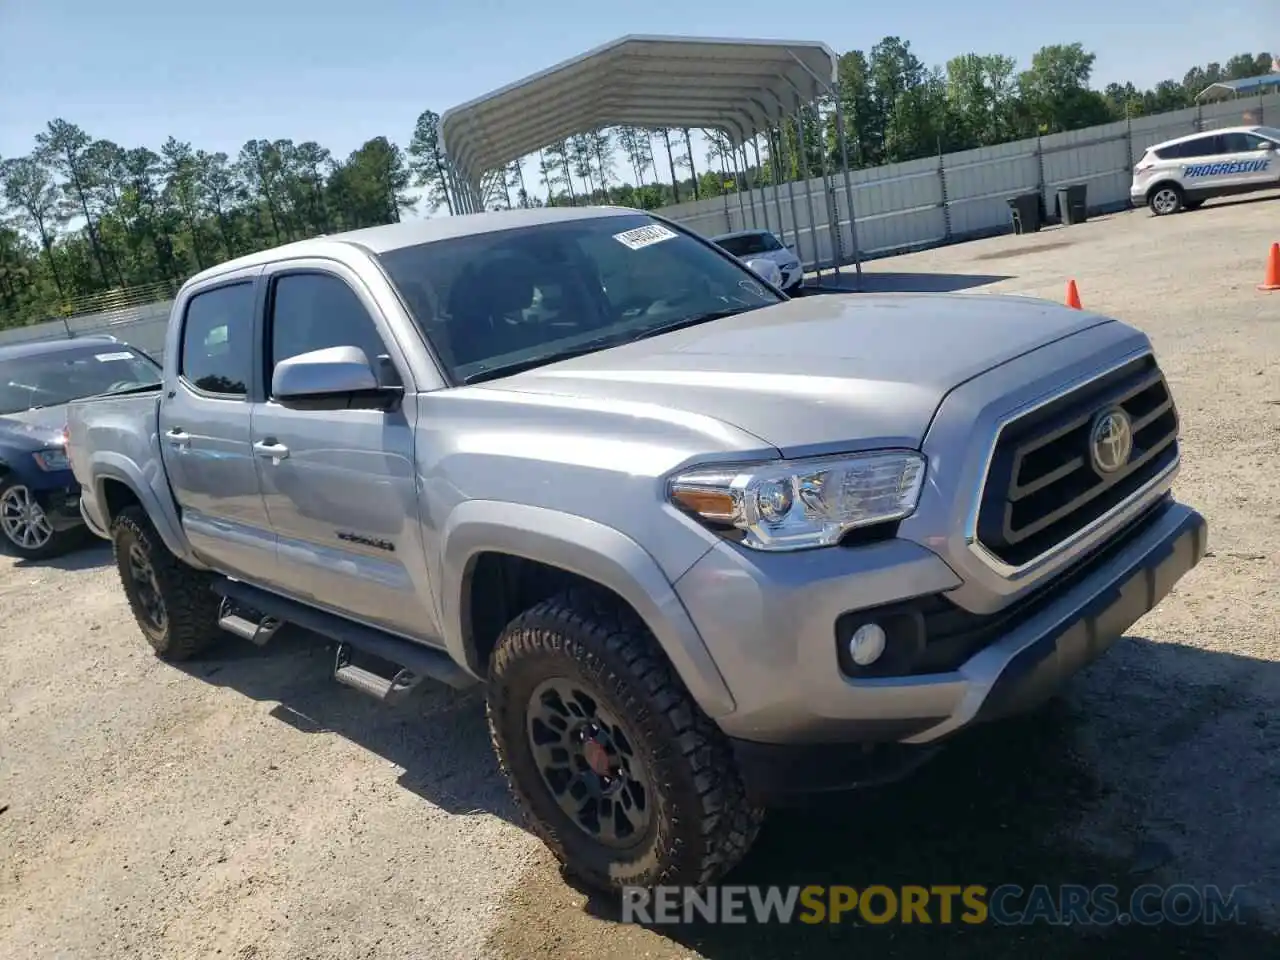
<point>178,438</point>
<point>270,448</point>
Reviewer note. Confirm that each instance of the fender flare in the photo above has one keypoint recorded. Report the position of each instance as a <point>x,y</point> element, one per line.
<point>105,466</point>
<point>591,550</point>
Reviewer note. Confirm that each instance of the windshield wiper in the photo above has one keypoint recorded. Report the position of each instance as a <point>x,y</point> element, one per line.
<point>507,369</point>
<point>615,341</point>
<point>693,321</point>
<point>140,388</point>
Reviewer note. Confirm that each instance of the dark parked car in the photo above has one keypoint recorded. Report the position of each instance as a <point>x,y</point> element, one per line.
<point>39,497</point>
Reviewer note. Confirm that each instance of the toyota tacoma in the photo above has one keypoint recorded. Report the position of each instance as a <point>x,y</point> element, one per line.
<point>706,547</point>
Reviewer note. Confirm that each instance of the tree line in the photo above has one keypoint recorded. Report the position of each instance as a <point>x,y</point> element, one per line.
<point>84,219</point>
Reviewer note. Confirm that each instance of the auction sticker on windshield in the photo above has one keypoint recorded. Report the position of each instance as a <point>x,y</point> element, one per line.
<point>644,236</point>
<point>108,357</point>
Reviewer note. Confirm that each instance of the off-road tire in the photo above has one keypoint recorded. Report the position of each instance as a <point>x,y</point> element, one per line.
<point>702,822</point>
<point>190,605</point>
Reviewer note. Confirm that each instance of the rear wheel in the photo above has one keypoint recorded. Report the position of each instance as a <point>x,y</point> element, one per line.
<point>1166,199</point>
<point>174,605</point>
<point>25,525</point>
<point>617,769</point>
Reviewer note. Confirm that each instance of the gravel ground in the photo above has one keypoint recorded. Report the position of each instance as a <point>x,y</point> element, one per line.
<point>246,807</point>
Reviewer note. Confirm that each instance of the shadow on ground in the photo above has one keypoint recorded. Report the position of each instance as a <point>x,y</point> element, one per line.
<point>877,282</point>
<point>437,735</point>
<point>89,555</point>
<point>1240,201</point>
<point>991,809</point>
<point>1003,804</point>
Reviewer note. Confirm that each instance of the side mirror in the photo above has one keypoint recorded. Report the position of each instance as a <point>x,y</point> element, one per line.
<point>336,378</point>
<point>766,270</point>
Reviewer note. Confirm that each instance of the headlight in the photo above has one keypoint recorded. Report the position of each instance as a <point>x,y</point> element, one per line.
<point>794,504</point>
<point>52,459</point>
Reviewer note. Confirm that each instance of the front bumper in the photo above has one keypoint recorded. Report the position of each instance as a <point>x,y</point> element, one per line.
<point>803,725</point>
<point>792,278</point>
<point>61,506</point>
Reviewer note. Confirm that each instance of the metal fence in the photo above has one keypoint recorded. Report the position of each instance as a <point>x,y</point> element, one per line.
<point>958,196</point>
<point>901,206</point>
<point>142,326</point>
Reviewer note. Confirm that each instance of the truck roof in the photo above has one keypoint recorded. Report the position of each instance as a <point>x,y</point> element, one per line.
<point>38,348</point>
<point>409,233</point>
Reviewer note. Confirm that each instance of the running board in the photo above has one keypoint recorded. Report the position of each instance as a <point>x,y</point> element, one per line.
<point>386,689</point>
<point>417,660</point>
<point>256,633</point>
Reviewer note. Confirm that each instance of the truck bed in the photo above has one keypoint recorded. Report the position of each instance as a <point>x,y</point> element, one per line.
<point>117,436</point>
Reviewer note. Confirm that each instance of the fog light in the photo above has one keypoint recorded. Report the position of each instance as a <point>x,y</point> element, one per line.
<point>866,644</point>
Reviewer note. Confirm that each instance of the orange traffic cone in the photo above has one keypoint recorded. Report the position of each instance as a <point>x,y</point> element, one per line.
<point>1073,296</point>
<point>1272,281</point>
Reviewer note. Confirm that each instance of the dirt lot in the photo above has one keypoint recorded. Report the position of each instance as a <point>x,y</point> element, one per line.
<point>245,807</point>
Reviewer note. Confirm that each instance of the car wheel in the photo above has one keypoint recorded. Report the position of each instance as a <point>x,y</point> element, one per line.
<point>616,768</point>
<point>25,526</point>
<point>172,603</point>
<point>1166,199</point>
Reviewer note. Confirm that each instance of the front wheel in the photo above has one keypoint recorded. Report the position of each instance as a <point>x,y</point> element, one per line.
<point>1166,199</point>
<point>173,604</point>
<point>618,770</point>
<point>26,526</point>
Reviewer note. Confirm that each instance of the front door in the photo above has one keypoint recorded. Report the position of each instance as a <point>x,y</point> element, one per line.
<point>1252,160</point>
<point>205,432</point>
<point>340,485</point>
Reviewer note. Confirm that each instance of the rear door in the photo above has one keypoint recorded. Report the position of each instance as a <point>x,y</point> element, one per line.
<point>340,485</point>
<point>205,429</point>
<point>1207,169</point>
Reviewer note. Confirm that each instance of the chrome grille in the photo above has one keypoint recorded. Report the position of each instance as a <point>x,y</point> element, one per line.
<point>1043,485</point>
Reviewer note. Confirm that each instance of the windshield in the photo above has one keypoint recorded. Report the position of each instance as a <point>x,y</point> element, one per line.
<point>1271,133</point>
<point>51,379</point>
<point>493,303</point>
<point>750,244</point>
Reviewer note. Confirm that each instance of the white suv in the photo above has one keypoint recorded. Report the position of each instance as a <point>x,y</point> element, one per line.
<point>1181,174</point>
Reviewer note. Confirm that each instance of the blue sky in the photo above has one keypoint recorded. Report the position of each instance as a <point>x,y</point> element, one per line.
<point>339,72</point>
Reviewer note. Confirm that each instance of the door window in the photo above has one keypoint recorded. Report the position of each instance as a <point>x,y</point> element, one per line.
<point>1199,147</point>
<point>315,311</point>
<point>217,340</point>
<point>743,246</point>
<point>1243,143</point>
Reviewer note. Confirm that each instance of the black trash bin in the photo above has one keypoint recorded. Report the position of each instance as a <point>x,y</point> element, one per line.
<point>1073,204</point>
<point>1025,211</point>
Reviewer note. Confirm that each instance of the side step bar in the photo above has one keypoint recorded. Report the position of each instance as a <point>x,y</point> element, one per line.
<point>373,684</point>
<point>417,661</point>
<point>256,633</point>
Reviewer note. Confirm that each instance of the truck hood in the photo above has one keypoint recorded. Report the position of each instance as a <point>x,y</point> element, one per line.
<point>821,373</point>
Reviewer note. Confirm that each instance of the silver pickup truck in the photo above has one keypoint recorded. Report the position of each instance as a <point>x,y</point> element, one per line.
<point>708,547</point>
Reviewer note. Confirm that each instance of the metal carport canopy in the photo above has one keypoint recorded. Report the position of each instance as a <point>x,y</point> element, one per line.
<point>739,86</point>
<point>1244,85</point>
